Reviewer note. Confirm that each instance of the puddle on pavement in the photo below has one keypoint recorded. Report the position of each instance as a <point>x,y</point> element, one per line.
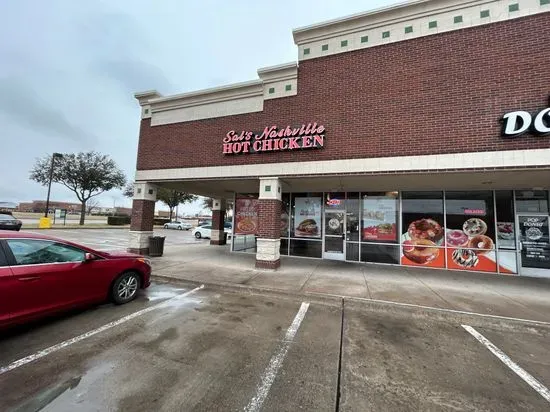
<point>71,394</point>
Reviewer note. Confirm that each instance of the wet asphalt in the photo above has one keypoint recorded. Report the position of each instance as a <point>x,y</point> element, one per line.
<point>210,350</point>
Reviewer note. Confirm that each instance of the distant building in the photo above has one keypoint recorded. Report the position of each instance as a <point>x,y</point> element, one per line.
<point>39,206</point>
<point>8,206</point>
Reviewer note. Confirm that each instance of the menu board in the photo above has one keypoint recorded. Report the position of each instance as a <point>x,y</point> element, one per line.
<point>535,239</point>
<point>379,219</point>
<point>307,217</point>
<point>246,216</point>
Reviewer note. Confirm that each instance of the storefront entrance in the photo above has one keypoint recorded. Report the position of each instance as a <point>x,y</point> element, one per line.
<point>534,244</point>
<point>334,240</point>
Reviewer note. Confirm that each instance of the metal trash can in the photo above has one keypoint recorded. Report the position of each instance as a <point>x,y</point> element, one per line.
<point>156,245</point>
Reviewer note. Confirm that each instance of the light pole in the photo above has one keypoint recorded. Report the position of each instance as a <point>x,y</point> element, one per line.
<point>54,156</point>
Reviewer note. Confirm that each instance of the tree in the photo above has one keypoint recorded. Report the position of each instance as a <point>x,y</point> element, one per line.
<point>91,205</point>
<point>173,198</point>
<point>129,190</point>
<point>86,174</point>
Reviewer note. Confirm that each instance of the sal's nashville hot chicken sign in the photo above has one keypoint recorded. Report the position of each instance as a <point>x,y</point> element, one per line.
<point>274,139</point>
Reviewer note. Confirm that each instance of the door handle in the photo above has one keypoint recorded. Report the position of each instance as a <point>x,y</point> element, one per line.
<point>29,278</point>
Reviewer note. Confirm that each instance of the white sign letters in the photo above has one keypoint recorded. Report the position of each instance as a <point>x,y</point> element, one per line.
<point>520,122</point>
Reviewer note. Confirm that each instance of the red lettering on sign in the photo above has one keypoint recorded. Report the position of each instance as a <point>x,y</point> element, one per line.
<point>274,138</point>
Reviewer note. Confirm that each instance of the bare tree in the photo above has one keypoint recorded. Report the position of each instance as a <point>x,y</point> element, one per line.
<point>91,205</point>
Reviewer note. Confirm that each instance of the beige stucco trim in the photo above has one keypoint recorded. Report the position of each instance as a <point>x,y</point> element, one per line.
<point>510,158</point>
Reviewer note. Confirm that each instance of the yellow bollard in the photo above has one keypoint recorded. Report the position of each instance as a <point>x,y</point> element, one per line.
<point>45,223</point>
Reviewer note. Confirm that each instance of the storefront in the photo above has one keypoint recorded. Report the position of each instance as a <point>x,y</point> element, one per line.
<point>498,231</point>
<point>416,135</point>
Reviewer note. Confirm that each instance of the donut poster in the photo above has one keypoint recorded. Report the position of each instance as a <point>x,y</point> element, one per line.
<point>379,219</point>
<point>423,242</point>
<point>246,216</point>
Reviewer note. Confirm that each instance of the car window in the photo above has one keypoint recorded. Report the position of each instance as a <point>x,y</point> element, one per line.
<point>35,251</point>
<point>6,217</point>
<point>227,225</point>
<point>207,227</point>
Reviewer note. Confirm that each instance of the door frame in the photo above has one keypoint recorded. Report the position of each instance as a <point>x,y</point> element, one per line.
<point>332,255</point>
<point>525,271</point>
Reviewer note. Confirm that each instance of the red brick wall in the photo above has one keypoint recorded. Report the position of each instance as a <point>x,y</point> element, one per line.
<point>142,215</point>
<point>269,218</point>
<point>218,218</point>
<point>437,94</point>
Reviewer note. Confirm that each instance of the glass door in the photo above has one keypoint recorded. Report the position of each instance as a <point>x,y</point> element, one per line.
<point>334,241</point>
<point>534,244</point>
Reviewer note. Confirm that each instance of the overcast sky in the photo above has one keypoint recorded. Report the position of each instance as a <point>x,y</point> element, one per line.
<point>69,69</point>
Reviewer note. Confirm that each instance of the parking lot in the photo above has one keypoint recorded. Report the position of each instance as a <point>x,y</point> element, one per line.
<point>179,347</point>
<point>117,239</point>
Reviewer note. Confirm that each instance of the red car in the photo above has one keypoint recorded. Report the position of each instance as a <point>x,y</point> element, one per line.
<point>40,275</point>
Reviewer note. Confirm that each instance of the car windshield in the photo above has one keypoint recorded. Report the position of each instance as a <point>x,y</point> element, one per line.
<point>6,217</point>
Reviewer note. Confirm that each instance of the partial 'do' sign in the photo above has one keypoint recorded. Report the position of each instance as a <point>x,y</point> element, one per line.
<point>273,138</point>
<point>520,122</point>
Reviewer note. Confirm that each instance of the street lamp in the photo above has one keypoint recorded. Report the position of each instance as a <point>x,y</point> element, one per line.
<point>54,156</point>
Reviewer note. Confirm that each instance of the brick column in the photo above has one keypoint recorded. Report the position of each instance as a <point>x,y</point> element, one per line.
<point>143,212</point>
<point>218,218</point>
<point>268,242</point>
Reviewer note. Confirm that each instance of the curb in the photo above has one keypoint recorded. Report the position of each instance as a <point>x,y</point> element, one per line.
<point>461,316</point>
<point>254,290</point>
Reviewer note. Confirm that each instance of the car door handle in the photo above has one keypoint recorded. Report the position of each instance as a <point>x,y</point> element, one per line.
<point>29,278</point>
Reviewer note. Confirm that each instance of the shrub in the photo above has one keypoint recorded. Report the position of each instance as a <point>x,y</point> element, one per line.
<point>118,220</point>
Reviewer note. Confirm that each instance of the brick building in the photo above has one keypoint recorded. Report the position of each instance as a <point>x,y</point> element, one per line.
<point>414,135</point>
<point>39,206</point>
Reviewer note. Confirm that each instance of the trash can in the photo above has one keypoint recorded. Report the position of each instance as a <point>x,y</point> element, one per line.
<point>156,245</point>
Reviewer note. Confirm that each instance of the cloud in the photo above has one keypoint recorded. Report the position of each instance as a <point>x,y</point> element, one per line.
<point>25,108</point>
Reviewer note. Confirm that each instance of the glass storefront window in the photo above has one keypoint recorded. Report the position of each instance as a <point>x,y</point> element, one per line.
<point>352,251</point>
<point>423,232</point>
<point>532,201</point>
<point>244,243</point>
<point>379,253</point>
<point>506,232</point>
<point>352,217</point>
<point>283,249</point>
<point>306,215</point>
<point>306,248</point>
<point>470,221</point>
<point>285,215</point>
<point>380,212</point>
<point>246,222</point>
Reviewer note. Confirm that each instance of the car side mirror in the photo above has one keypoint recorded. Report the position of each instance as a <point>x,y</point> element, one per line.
<point>88,257</point>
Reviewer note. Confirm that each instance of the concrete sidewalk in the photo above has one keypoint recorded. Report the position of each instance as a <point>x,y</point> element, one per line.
<point>511,296</point>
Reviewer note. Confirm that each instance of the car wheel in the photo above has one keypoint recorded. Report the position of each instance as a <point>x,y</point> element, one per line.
<point>198,235</point>
<point>125,288</point>
<point>166,226</point>
<point>180,228</point>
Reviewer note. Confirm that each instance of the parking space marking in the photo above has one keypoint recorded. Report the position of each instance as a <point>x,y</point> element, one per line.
<point>522,373</point>
<point>45,352</point>
<point>276,362</point>
<point>455,311</point>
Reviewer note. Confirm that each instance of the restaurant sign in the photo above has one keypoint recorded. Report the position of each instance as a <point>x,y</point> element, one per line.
<point>274,139</point>
<point>520,122</point>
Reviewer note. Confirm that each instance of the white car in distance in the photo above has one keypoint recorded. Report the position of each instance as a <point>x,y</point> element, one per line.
<point>205,231</point>
<point>178,225</point>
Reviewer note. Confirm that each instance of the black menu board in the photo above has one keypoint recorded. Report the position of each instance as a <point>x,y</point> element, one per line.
<point>535,239</point>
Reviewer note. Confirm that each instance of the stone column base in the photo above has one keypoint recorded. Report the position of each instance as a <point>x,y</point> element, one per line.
<point>268,253</point>
<point>139,242</point>
<point>217,237</point>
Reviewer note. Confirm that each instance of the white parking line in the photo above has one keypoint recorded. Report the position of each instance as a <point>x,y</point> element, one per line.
<point>44,352</point>
<point>522,373</point>
<point>276,361</point>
